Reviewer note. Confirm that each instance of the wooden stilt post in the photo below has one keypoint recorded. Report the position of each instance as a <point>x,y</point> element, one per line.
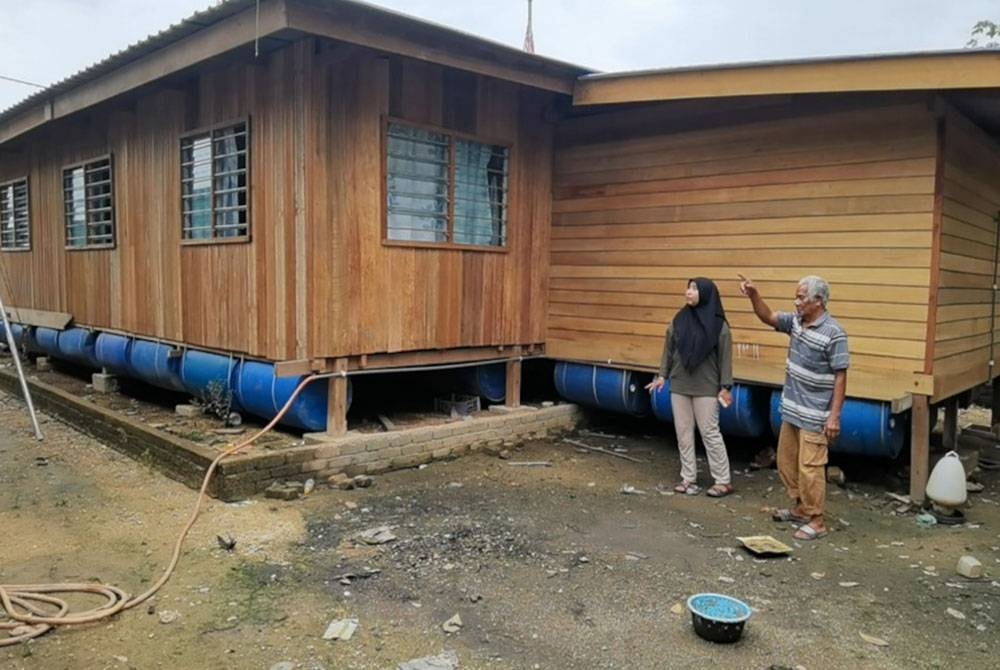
<point>950,437</point>
<point>336,401</point>
<point>919,447</point>
<point>513,398</point>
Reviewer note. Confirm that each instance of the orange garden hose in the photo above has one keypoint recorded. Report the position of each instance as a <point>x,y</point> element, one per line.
<point>29,607</point>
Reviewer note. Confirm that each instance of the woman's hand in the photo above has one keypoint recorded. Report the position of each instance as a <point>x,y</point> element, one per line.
<point>656,384</point>
<point>725,398</point>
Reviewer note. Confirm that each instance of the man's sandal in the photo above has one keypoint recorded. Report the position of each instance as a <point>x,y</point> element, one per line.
<point>719,491</point>
<point>788,515</point>
<point>807,533</point>
<point>687,488</point>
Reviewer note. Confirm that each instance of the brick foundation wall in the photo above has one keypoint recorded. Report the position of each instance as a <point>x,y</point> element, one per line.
<point>243,475</point>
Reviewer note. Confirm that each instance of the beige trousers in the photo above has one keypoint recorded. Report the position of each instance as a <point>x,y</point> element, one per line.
<point>802,456</point>
<point>703,410</point>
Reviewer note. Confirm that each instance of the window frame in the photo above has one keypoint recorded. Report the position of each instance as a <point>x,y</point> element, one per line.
<point>209,130</point>
<point>27,208</point>
<point>387,120</point>
<point>114,223</point>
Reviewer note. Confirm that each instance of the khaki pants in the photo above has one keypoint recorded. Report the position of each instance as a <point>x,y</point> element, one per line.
<point>802,457</point>
<point>704,411</point>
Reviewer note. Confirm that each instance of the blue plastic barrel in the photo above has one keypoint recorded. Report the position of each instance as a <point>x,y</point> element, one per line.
<point>112,352</point>
<point>46,340</point>
<point>77,345</point>
<point>607,388</point>
<point>199,370</point>
<point>488,381</point>
<point>867,428</point>
<point>17,330</point>
<point>747,416</point>
<point>151,362</point>
<point>259,392</point>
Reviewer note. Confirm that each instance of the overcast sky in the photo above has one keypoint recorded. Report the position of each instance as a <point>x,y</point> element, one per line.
<point>44,41</point>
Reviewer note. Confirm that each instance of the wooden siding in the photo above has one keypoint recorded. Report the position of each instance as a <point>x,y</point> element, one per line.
<point>316,279</point>
<point>966,315</point>
<point>365,296</point>
<point>848,196</point>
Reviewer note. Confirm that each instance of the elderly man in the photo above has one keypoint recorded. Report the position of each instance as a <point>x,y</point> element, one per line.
<point>811,400</point>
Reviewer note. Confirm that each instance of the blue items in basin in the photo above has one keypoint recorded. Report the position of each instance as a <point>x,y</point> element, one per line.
<point>718,618</point>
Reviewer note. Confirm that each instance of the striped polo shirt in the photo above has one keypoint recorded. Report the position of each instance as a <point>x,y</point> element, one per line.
<point>815,353</point>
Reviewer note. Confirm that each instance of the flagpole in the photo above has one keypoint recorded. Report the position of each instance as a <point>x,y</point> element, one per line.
<point>529,38</point>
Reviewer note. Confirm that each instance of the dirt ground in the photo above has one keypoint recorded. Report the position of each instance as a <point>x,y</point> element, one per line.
<point>548,567</point>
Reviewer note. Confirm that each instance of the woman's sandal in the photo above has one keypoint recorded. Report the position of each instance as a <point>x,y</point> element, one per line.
<point>719,491</point>
<point>687,488</point>
<point>788,515</point>
<point>807,533</point>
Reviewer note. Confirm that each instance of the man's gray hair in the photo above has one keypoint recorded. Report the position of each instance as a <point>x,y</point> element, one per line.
<point>816,287</point>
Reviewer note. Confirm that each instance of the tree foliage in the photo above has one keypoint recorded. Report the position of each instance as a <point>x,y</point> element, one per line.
<point>989,31</point>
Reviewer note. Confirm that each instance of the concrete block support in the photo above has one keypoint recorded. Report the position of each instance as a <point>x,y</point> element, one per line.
<point>104,383</point>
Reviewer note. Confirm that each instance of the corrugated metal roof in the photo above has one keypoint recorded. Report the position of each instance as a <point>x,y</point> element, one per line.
<point>228,8</point>
<point>134,52</point>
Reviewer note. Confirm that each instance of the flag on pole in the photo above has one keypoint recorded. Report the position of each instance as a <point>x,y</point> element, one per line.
<point>529,38</point>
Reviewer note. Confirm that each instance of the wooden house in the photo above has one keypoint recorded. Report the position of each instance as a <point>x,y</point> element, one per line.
<point>331,186</point>
<point>223,185</point>
<point>880,174</point>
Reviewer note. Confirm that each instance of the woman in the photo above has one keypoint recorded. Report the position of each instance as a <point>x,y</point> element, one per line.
<point>697,358</point>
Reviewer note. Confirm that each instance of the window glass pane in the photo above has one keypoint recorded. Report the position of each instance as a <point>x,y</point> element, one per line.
<point>98,203</point>
<point>196,187</point>
<point>214,184</point>
<point>417,184</point>
<point>7,229</point>
<point>75,207</point>
<point>480,193</point>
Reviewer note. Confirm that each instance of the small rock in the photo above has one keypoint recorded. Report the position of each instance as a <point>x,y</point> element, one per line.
<point>341,629</point>
<point>377,535</point>
<point>283,665</point>
<point>340,481</point>
<point>969,567</point>
<point>678,608</point>
<point>955,613</point>
<point>363,481</point>
<point>169,616</point>
<point>835,475</point>
<point>871,639</point>
<point>187,411</point>
<point>445,661</point>
<point>504,454</point>
<point>284,491</point>
<point>452,625</point>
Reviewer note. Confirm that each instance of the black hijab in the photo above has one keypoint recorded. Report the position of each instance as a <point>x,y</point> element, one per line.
<point>697,328</point>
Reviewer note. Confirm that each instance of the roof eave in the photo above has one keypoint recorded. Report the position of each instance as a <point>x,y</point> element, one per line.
<point>911,72</point>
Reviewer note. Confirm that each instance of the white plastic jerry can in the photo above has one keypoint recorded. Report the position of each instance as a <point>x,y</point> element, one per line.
<point>946,485</point>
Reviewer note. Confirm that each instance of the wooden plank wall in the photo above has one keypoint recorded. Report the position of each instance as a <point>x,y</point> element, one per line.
<point>316,279</point>
<point>365,296</point>
<point>971,190</point>
<point>848,196</point>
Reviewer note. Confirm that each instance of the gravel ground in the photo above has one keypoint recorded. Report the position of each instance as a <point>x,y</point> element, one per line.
<point>547,567</point>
